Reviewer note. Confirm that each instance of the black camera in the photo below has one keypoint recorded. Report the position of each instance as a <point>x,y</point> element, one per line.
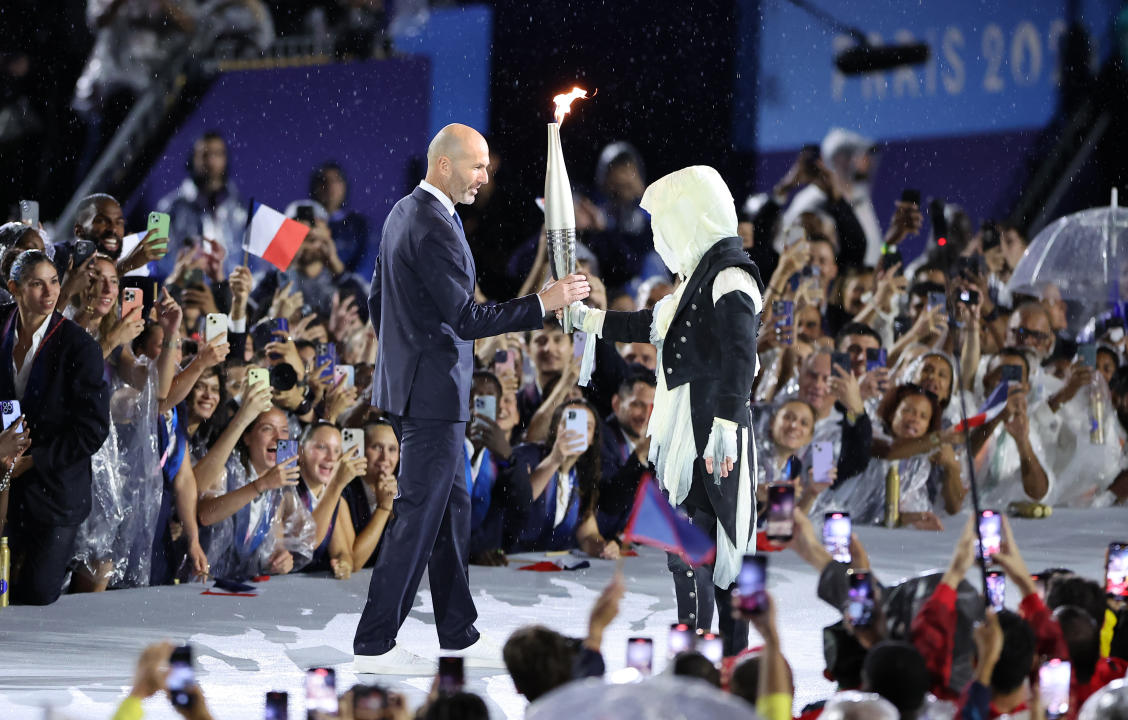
<point>283,377</point>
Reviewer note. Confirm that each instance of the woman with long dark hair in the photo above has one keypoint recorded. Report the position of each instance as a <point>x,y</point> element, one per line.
<point>55,369</point>
<point>555,489</point>
<point>206,410</point>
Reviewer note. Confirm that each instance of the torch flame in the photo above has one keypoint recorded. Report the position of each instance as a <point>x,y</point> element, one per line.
<point>564,103</point>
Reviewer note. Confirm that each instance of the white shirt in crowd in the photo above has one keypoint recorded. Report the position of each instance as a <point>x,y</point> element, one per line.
<point>23,373</point>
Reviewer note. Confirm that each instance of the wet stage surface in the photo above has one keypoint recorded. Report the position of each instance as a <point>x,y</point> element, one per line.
<point>78,655</point>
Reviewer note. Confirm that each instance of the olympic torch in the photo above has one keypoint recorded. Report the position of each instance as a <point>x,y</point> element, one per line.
<point>559,213</point>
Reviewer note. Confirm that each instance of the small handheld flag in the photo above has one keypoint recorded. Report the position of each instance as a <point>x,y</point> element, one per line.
<point>990,410</point>
<point>653,522</point>
<point>273,236</point>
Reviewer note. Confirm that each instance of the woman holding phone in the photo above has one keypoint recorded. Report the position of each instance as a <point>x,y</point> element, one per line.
<point>105,550</point>
<point>207,411</point>
<point>791,430</point>
<point>258,526</point>
<point>323,474</point>
<point>555,488</point>
<point>367,505</point>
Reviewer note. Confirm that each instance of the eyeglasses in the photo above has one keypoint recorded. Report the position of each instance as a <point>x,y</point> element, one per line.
<point>1035,335</point>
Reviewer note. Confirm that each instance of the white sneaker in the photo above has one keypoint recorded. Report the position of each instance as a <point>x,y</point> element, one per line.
<point>396,661</point>
<point>485,653</point>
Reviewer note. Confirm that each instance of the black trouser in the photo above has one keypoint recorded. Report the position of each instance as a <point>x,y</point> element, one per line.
<point>431,532</point>
<point>40,553</point>
<point>693,587</point>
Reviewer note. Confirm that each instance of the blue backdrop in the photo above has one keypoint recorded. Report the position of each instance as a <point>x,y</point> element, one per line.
<point>458,41</point>
<point>960,127</point>
<point>993,67</point>
<point>370,117</point>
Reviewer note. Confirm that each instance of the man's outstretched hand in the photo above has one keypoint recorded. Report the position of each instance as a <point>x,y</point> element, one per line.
<point>565,291</point>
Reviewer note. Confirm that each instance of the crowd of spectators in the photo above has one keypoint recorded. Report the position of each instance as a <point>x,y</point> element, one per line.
<point>153,450</point>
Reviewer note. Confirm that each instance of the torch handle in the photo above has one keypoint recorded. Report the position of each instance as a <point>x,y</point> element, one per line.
<point>561,247</point>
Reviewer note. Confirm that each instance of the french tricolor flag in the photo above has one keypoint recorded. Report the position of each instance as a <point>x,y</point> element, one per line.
<point>988,412</point>
<point>274,237</point>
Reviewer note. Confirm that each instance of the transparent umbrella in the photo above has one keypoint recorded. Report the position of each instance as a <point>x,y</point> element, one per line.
<point>663,697</point>
<point>1085,254</point>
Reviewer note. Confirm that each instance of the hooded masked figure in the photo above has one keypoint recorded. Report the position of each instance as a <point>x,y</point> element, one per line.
<point>705,332</point>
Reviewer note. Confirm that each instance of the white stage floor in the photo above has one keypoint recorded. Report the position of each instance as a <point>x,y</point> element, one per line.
<point>78,655</point>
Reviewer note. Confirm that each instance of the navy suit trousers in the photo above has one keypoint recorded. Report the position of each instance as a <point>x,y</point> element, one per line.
<point>42,553</point>
<point>431,531</point>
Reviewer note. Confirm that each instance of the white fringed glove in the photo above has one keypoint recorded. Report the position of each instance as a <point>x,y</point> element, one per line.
<point>587,319</point>
<point>721,449</point>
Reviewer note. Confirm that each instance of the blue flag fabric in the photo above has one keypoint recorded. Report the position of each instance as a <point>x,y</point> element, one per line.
<point>654,522</point>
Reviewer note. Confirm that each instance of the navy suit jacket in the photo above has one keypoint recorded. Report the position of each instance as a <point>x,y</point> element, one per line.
<point>422,306</point>
<point>67,407</point>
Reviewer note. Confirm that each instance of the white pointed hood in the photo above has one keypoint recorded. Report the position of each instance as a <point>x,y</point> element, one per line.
<point>690,210</point>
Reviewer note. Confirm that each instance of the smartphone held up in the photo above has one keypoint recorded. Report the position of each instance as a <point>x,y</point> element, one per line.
<point>861,604</point>
<point>990,533</point>
<point>752,584</point>
<point>781,507</point>
<point>836,535</point>
<point>640,654</point>
<point>181,677</point>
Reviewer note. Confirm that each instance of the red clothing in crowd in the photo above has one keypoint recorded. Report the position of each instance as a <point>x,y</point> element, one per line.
<point>934,629</point>
<point>1107,670</point>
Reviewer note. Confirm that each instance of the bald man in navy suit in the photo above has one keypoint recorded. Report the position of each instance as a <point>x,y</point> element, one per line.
<point>422,307</point>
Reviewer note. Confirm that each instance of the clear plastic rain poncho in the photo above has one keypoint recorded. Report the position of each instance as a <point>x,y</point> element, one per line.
<point>863,496</point>
<point>241,546</point>
<point>1088,450</point>
<point>116,539</point>
<point>771,361</point>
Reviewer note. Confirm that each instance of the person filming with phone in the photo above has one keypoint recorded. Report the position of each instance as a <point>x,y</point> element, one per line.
<point>99,226</point>
<point>487,458</point>
<point>369,500</point>
<point>555,488</point>
<point>1012,463</point>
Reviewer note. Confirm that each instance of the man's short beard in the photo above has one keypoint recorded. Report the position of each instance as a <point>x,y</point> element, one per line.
<point>115,254</point>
